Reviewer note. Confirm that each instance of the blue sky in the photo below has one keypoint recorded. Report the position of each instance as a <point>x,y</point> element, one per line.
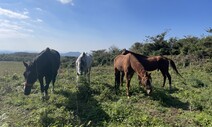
<point>85,25</point>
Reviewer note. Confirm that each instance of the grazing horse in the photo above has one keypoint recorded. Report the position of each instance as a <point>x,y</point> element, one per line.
<point>83,65</point>
<point>46,64</point>
<point>128,64</point>
<point>155,62</point>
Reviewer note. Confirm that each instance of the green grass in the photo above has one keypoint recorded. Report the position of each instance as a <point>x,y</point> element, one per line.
<point>96,104</point>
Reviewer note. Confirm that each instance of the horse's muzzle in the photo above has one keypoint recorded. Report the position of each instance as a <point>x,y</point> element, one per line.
<point>149,91</point>
<point>27,88</point>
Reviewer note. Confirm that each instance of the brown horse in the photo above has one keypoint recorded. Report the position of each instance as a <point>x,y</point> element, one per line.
<point>128,64</point>
<point>155,62</point>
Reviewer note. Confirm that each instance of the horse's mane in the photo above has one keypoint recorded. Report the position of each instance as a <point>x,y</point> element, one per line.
<point>125,51</point>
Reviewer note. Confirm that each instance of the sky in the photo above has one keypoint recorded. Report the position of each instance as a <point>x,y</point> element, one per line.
<point>87,25</point>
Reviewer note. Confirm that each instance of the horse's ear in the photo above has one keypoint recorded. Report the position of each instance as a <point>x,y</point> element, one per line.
<point>147,74</point>
<point>123,51</point>
<point>25,64</point>
<point>47,49</point>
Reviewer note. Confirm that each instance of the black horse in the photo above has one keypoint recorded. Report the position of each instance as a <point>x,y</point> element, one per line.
<point>46,64</point>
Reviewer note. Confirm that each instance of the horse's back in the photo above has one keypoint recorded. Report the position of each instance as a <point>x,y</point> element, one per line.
<point>48,61</point>
<point>118,60</point>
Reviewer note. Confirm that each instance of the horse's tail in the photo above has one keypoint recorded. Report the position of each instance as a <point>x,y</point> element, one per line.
<point>117,80</point>
<point>174,67</point>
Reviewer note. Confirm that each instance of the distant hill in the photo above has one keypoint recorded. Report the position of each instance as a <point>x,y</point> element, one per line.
<point>74,54</point>
<point>26,56</point>
<point>5,52</point>
<point>17,56</point>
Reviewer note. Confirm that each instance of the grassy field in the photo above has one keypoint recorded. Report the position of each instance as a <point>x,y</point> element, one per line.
<point>96,104</point>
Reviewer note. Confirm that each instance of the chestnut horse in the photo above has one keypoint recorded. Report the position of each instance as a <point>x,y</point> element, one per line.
<point>155,62</point>
<point>128,64</point>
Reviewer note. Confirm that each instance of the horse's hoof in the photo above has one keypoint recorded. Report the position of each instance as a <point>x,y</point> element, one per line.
<point>46,97</point>
<point>42,98</point>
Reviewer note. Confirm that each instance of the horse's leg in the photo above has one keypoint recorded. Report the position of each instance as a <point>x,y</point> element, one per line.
<point>170,82</point>
<point>41,84</point>
<point>48,80</point>
<point>53,81</point>
<point>122,78</point>
<point>164,77</point>
<point>117,80</point>
<point>128,85</point>
<point>128,79</point>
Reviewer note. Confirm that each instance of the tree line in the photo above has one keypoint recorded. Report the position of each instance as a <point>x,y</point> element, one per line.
<point>189,47</point>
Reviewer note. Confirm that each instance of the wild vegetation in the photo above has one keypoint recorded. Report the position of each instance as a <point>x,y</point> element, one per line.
<point>96,104</point>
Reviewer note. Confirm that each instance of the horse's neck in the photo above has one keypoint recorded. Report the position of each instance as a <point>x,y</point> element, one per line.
<point>140,71</point>
<point>141,58</point>
<point>137,66</point>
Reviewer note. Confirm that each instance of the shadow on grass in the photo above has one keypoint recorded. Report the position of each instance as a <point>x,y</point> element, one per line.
<point>111,87</point>
<point>87,110</point>
<point>167,100</point>
<point>109,95</point>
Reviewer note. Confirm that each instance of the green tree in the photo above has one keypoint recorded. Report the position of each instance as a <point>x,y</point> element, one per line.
<point>209,30</point>
<point>160,45</point>
<point>137,47</point>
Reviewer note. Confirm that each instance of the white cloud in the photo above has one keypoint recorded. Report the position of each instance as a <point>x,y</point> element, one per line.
<point>12,29</point>
<point>39,20</point>
<point>26,12</point>
<point>6,24</point>
<point>66,2</point>
<point>10,33</point>
<point>12,14</point>
<point>38,9</point>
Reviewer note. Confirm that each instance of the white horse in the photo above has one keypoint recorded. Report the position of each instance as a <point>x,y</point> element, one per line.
<point>83,65</point>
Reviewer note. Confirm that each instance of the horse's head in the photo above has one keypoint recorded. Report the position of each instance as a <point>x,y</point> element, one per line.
<point>30,76</point>
<point>147,82</point>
